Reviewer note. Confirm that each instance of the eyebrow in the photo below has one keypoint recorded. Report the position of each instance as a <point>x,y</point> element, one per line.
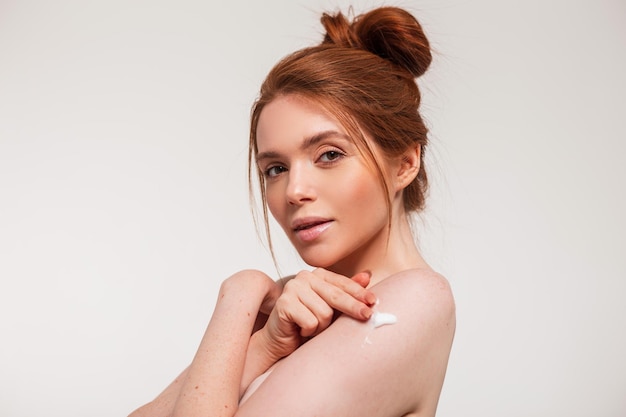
<point>307,143</point>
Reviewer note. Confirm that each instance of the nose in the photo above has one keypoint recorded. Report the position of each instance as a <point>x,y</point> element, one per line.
<point>300,185</point>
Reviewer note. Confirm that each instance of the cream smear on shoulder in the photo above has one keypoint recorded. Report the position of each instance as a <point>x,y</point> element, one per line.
<point>380,319</point>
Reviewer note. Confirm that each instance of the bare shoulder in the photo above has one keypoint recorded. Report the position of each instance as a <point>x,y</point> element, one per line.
<point>419,278</point>
<point>420,340</point>
<point>391,370</point>
<point>422,291</point>
<point>423,303</point>
<point>422,297</point>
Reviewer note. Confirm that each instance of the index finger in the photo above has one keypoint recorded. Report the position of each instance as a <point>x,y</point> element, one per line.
<point>354,286</point>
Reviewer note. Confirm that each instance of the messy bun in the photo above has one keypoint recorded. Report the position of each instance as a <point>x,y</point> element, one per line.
<point>363,73</point>
<point>389,32</point>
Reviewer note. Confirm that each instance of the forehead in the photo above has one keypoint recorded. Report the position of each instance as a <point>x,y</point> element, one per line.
<point>292,118</point>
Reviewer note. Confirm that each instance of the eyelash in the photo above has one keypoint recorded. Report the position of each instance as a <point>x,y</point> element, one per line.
<point>336,155</point>
<point>267,173</point>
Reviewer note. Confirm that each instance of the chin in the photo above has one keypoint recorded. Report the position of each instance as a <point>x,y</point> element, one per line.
<point>316,263</point>
<point>318,260</point>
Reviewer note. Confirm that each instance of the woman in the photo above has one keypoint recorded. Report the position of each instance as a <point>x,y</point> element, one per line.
<point>339,143</point>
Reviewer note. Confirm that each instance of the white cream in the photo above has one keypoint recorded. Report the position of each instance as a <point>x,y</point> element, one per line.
<point>380,319</point>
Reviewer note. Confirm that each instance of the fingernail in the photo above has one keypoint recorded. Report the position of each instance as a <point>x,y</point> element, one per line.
<point>370,298</point>
<point>367,313</point>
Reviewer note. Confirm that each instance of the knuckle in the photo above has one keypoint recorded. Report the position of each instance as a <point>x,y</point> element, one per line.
<point>355,310</point>
<point>303,275</point>
<point>292,287</point>
<point>359,292</point>
<point>321,274</point>
<point>289,285</point>
<point>283,302</point>
<point>335,295</point>
<point>309,324</point>
<point>326,315</point>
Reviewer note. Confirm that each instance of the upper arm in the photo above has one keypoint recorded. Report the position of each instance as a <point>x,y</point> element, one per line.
<point>355,369</point>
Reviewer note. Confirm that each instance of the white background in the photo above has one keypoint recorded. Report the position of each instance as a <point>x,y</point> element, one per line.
<point>123,196</point>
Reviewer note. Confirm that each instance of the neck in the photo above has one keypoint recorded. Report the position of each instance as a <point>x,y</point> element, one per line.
<point>392,252</point>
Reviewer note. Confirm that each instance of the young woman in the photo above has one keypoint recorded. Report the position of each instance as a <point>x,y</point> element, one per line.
<point>338,141</point>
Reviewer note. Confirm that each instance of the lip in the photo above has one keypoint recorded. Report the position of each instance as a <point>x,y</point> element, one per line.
<point>308,229</point>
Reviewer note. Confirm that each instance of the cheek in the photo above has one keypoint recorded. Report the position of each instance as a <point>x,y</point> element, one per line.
<point>358,200</point>
<point>363,190</point>
<point>274,199</point>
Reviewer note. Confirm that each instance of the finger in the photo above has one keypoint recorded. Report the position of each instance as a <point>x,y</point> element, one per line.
<point>301,292</point>
<point>362,278</point>
<point>305,320</point>
<point>341,300</point>
<point>322,311</point>
<point>351,286</point>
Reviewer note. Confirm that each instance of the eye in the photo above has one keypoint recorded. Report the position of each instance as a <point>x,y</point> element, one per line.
<point>330,156</point>
<point>274,170</point>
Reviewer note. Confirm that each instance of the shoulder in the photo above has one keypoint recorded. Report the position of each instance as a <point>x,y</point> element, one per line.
<point>423,304</point>
<point>388,370</point>
<point>417,291</point>
<point>418,278</point>
<point>417,346</point>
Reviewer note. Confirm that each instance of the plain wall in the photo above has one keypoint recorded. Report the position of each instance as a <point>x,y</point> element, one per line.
<point>123,194</point>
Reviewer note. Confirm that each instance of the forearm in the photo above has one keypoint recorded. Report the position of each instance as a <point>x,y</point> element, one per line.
<point>258,360</point>
<point>163,404</point>
<point>213,381</point>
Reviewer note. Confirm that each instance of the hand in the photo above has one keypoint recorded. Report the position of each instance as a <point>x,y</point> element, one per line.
<point>308,304</point>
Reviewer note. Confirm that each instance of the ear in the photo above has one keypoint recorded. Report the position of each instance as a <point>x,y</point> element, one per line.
<point>409,166</point>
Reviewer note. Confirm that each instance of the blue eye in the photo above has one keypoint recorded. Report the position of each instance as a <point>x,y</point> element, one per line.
<point>274,171</point>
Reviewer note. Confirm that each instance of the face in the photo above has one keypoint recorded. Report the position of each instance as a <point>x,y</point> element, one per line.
<point>318,186</point>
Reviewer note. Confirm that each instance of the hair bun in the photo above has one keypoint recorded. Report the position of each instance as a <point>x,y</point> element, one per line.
<point>338,30</point>
<point>389,32</point>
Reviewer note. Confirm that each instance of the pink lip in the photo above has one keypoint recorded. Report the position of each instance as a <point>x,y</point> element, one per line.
<point>310,228</point>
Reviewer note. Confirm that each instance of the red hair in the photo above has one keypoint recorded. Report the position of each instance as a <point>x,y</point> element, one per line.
<point>363,73</point>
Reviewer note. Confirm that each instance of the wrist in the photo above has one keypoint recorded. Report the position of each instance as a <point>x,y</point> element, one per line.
<point>265,348</point>
<point>259,359</point>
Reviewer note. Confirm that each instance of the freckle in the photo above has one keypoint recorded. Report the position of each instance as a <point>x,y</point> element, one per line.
<point>225,406</point>
<point>248,314</point>
<point>196,387</point>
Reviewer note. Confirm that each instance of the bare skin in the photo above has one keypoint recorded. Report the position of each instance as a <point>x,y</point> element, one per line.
<point>330,205</point>
<point>358,370</point>
<point>227,340</point>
